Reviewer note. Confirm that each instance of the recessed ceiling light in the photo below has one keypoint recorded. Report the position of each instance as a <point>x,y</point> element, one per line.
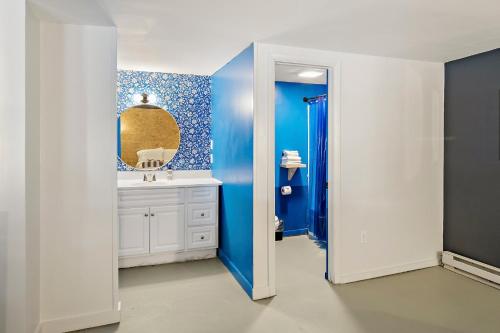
<point>310,74</point>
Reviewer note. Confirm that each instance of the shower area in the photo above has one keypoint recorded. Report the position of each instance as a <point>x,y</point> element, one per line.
<point>317,175</point>
<point>301,111</point>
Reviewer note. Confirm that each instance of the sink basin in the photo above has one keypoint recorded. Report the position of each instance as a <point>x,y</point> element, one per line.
<point>147,184</point>
<point>164,183</point>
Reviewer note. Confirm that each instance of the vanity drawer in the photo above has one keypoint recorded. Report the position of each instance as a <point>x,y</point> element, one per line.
<point>200,237</point>
<point>150,197</point>
<point>201,214</point>
<point>202,194</point>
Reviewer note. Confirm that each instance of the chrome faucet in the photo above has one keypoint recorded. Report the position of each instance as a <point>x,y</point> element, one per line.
<point>149,177</point>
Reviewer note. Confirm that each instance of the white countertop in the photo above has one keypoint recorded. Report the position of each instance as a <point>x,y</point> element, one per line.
<point>164,183</point>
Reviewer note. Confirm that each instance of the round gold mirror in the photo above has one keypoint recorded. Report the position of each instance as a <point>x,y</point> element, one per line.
<point>148,137</point>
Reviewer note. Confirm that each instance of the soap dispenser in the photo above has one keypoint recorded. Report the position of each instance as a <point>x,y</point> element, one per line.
<point>170,174</point>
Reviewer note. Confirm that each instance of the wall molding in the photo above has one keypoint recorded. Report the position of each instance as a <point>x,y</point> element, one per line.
<point>389,270</point>
<point>261,293</point>
<point>264,157</point>
<point>80,322</point>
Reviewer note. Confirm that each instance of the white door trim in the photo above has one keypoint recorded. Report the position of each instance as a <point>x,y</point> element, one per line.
<point>264,245</point>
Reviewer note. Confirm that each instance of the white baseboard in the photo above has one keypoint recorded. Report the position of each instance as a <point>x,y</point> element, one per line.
<point>80,322</point>
<point>165,258</point>
<point>388,270</point>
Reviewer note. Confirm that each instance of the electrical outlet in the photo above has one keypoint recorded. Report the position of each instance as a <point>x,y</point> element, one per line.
<point>364,237</point>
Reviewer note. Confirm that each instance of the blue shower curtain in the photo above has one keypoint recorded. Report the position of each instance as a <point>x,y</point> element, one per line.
<point>317,207</point>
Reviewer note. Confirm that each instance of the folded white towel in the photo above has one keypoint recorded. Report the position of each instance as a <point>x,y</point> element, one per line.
<point>291,160</point>
<point>290,153</point>
<point>291,163</point>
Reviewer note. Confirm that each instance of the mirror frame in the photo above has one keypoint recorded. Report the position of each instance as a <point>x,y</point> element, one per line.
<point>145,100</point>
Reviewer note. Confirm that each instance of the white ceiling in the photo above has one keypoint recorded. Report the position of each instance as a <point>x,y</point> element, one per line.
<point>291,73</point>
<point>195,36</point>
<point>87,12</point>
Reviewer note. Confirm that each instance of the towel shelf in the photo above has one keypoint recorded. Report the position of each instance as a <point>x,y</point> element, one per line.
<point>292,168</point>
<point>293,165</point>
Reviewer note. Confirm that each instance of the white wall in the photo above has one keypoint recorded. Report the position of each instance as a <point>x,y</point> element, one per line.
<point>79,70</point>
<point>387,115</point>
<point>13,302</point>
<point>391,165</point>
<point>32,168</point>
<point>77,176</point>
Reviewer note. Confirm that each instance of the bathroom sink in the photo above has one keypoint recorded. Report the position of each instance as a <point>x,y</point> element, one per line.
<point>163,183</point>
<point>149,184</point>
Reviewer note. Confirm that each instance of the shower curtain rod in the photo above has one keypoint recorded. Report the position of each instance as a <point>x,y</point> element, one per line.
<point>309,99</point>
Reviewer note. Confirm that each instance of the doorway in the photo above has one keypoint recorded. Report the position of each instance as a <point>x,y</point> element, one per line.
<point>301,163</point>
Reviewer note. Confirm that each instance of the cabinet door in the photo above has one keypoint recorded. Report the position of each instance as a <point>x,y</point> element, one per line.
<point>167,228</point>
<point>133,231</point>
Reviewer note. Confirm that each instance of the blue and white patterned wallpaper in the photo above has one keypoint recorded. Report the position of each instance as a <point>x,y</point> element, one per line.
<point>187,98</point>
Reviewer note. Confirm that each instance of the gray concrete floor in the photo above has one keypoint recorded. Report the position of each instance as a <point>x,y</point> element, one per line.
<point>203,297</point>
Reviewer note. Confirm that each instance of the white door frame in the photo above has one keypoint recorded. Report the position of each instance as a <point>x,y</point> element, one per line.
<point>264,139</point>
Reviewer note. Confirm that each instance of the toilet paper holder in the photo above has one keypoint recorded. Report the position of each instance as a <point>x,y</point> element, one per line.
<point>286,190</point>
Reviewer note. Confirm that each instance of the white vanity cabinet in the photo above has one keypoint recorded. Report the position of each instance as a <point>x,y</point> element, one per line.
<point>134,231</point>
<point>166,228</point>
<point>162,224</point>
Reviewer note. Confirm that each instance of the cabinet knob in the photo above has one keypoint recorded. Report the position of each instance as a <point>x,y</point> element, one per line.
<point>202,237</point>
<point>202,214</point>
<point>146,215</point>
<point>152,214</point>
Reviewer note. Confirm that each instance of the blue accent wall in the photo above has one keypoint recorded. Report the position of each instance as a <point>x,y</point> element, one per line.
<point>187,98</point>
<point>291,132</point>
<point>232,133</point>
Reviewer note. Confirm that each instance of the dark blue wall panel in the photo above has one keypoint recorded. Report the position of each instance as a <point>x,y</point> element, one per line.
<point>472,157</point>
<point>232,133</point>
<point>291,133</point>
